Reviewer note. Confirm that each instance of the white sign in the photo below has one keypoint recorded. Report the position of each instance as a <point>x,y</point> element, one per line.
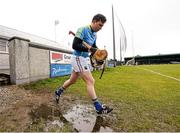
<point>60,58</point>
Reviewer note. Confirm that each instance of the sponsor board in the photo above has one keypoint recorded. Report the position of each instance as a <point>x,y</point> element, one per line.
<point>60,58</point>
<point>60,70</point>
<point>60,64</point>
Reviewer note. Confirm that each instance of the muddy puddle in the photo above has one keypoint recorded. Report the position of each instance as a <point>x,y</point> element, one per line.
<point>80,118</point>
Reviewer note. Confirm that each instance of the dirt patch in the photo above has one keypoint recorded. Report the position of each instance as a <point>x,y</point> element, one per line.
<point>18,104</point>
<point>27,110</point>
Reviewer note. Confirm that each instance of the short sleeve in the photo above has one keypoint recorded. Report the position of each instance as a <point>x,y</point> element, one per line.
<point>80,33</point>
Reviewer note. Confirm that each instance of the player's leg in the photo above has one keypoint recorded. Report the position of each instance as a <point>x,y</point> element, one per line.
<point>67,83</point>
<point>89,80</point>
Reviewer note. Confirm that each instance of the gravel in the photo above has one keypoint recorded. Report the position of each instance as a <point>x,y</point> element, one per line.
<point>9,95</point>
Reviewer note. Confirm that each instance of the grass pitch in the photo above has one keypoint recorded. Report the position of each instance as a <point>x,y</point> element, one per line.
<point>142,99</point>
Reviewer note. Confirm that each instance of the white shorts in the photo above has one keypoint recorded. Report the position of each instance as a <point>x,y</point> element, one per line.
<point>81,64</point>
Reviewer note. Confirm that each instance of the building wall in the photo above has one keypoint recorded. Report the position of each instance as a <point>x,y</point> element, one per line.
<point>26,57</point>
<point>3,45</point>
<point>4,62</point>
<point>29,61</point>
<point>4,56</point>
<point>38,63</point>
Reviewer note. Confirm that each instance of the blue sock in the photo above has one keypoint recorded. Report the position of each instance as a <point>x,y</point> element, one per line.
<point>97,104</point>
<point>60,90</point>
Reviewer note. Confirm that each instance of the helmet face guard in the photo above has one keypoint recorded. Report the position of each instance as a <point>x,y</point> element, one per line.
<point>95,63</point>
<point>98,58</point>
<point>100,55</point>
<point>98,64</point>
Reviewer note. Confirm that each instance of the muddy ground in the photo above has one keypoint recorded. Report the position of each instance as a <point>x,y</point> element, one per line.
<point>27,110</point>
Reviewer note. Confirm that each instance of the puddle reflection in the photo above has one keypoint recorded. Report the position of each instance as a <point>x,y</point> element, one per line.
<point>101,125</point>
<point>80,116</point>
<point>83,119</point>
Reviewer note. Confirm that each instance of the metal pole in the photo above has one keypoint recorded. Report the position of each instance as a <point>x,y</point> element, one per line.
<point>114,52</point>
<point>120,51</point>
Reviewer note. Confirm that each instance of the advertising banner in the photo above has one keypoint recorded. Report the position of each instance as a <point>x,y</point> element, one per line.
<point>60,70</point>
<point>60,64</point>
<point>60,58</point>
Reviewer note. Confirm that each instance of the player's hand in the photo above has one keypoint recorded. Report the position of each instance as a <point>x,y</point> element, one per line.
<point>93,50</point>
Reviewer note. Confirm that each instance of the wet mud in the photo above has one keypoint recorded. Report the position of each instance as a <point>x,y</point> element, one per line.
<point>80,117</point>
<point>29,111</point>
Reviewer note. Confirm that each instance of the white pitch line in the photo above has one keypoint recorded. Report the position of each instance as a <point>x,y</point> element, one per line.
<point>161,74</point>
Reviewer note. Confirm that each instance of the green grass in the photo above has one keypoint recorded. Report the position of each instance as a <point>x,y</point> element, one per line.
<point>170,70</point>
<point>142,101</point>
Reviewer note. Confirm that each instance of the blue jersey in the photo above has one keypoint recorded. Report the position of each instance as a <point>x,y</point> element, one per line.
<point>87,35</point>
